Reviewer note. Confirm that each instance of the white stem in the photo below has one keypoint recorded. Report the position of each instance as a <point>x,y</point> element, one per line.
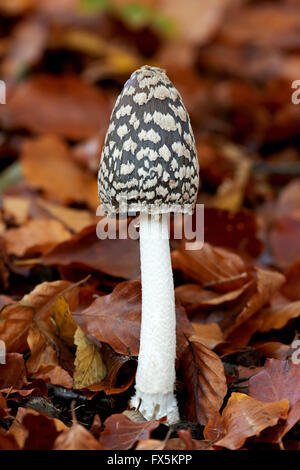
<point>155,375</point>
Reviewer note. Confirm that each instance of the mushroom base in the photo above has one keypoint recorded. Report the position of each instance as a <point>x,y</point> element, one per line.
<point>156,405</point>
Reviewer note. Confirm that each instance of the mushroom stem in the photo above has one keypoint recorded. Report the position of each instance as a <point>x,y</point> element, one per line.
<point>155,375</point>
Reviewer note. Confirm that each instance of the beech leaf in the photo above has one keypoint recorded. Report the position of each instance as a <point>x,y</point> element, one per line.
<point>89,366</point>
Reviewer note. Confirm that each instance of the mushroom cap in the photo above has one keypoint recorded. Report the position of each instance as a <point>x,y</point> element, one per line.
<point>149,161</point>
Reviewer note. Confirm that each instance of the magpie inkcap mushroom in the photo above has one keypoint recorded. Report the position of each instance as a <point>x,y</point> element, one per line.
<point>149,165</point>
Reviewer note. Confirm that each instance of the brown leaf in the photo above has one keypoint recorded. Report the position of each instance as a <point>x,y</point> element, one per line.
<point>277,317</point>
<point>7,442</point>
<point>15,321</point>
<point>278,380</point>
<point>115,319</point>
<point>245,417</point>
<point>210,335</point>
<point>34,431</point>
<point>40,159</point>
<point>217,268</point>
<point>205,381</point>
<point>284,239</point>
<point>16,208</point>
<point>3,407</point>
<point>193,296</point>
<point>76,438</point>
<point>43,362</point>
<point>185,436</point>
<point>62,105</point>
<point>5,300</point>
<point>268,282</point>
<point>120,372</point>
<point>291,288</point>
<point>273,349</point>
<point>35,236</point>
<point>44,296</point>
<point>12,373</point>
<point>150,444</point>
<point>74,219</point>
<point>119,258</point>
<point>214,428</point>
<point>120,433</point>
<point>236,230</point>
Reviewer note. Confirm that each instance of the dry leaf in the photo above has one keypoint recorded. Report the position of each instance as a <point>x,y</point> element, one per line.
<point>205,381</point>
<point>120,433</point>
<point>15,321</point>
<point>13,372</point>
<point>210,335</point>
<point>89,366</point>
<point>33,430</point>
<point>115,319</point>
<point>35,236</point>
<point>76,438</point>
<point>62,105</point>
<point>65,324</point>
<point>43,362</point>
<point>40,159</point>
<point>245,417</point>
<point>215,267</point>
<point>74,219</point>
<point>118,258</point>
<point>278,380</point>
<point>17,208</point>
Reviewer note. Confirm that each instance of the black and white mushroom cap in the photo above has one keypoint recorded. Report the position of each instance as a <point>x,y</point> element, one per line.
<point>149,161</point>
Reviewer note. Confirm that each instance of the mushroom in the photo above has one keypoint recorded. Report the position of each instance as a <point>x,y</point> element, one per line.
<point>149,165</point>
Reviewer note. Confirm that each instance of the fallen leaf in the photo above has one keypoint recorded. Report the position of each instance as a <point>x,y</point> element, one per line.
<point>245,417</point>
<point>210,335</point>
<point>76,438</point>
<point>33,430</point>
<point>89,366</point>
<point>62,105</point>
<point>276,317</point>
<point>118,258</point>
<point>74,219</point>
<point>13,372</point>
<point>268,282</point>
<point>40,159</point>
<point>284,239</point>
<point>273,349</point>
<point>15,321</point>
<point>7,442</point>
<point>43,362</point>
<point>65,324</point>
<point>35,236</point>
<point>278,380</point>
<point>120,372</point>
<point>3,407</point>
<point>213,267</point>
<point>17,208</point>
<point>203,374</point>
<point>291,287</point>
<point>44,296</point>
<point>214,428</point>
<point>150,444</point>
<point>120,433</point>
<point>235,230</point>
<point>115,319</point>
